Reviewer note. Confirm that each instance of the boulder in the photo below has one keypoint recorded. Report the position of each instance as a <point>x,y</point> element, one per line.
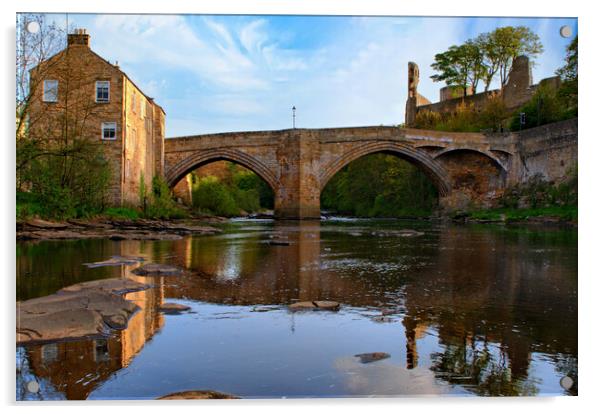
<point>198,395</point>
<point>156,269</point>
<point>372,357</point>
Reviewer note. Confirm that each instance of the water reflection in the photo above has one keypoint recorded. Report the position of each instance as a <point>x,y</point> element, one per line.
<point>480,310</point>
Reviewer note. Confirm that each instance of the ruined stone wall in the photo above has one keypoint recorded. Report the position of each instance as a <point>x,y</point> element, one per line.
<point>518,90</point>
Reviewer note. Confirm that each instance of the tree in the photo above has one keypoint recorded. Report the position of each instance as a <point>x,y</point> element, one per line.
<point>459,66</point>
<point>60,159</point>
<point>507,43</point>
<point>568,73</point>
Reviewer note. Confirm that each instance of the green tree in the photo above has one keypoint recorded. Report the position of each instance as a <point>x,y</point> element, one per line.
<point>506,44</point>
<point>568,73</point>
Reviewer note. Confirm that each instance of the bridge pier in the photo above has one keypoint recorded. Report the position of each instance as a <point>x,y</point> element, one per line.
<point>297,196</point>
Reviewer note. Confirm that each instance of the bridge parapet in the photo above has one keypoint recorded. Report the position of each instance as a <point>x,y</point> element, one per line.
<point>297,163</point>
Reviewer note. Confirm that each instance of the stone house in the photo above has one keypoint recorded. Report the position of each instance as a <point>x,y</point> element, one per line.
<point>78,92</point>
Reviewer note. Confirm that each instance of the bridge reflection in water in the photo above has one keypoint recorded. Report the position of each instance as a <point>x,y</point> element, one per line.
<point>491,298</point>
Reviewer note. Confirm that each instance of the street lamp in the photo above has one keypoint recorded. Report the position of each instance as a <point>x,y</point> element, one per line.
<point>294,109</point>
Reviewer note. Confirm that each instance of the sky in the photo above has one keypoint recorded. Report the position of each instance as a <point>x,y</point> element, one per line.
<point>236,73</point>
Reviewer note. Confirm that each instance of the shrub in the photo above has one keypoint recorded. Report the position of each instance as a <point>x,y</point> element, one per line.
<point>210,195</point>
<point>161,204</point>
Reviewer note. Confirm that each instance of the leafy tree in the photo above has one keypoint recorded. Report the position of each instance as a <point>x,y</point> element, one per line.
<point>568,73</point>
<point>459,66</point>
<point>507,43</point>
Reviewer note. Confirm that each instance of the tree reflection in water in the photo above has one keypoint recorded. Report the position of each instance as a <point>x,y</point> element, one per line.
<point>499,301</point>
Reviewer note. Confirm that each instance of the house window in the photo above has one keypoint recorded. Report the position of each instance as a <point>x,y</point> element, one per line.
<point>51,90</point>
<point>109,130</point>
<point>134,102</point>
<point>142,108</point>
<point>102,91</point>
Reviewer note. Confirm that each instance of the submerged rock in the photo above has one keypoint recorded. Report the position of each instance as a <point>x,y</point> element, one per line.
<point>156,269</point>
<point>78,311</point>
<point>279,242</point>
<point>198,395</point>
<point>372,357</point>
<point>315,305</point>
<point>173,308</point>
<point>116,261</point>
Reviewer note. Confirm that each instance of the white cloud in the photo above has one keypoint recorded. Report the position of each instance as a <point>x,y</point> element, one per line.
<point>215,74</point>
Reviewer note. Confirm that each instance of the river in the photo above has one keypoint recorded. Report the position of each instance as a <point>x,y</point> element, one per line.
<point>460,310</point>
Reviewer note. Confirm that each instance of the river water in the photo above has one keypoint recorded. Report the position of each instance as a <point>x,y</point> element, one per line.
<point>461,310</point>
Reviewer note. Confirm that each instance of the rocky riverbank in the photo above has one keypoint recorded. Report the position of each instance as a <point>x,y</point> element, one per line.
<point>83,310</point>
<point>143,229</point>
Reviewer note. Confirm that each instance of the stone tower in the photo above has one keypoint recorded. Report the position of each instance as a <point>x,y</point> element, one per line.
<point>414,98</point>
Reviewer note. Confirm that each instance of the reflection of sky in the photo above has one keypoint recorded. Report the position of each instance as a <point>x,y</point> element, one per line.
<point>230,263</point>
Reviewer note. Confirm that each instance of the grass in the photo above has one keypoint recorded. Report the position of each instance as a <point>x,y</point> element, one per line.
<point>566,213</point>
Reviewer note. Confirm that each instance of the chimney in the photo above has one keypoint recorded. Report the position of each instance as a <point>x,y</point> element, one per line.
<point>78,37</point>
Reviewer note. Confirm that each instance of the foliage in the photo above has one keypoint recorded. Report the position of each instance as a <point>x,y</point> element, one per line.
<point>568,92</point>
<point>466,118</point>
<point>460,66</point>
<point>239,190</point>
<point>162,204</point>
<point>68,179</point>
<point>544,107</point>
<point>380,185</point>
<point>485,56</point>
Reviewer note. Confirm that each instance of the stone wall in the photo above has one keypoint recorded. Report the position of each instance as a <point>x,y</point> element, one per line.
<point>549,151</point>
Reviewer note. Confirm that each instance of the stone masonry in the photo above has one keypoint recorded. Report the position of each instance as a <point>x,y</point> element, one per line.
<point>298,163</point>
<point>136,152</point>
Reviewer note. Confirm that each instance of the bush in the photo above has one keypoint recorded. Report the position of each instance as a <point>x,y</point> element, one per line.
<point>161,204</point>
<point>67,179</point>
<point>544,107</point>
<point>212,196</point>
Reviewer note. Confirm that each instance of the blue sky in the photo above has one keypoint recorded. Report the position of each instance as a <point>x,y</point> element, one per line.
<point>235,73</point>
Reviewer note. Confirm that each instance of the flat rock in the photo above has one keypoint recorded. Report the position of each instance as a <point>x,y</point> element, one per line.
<point>116,286</point>
<point>372,357</point>
<point>198,395</point>
<point>43,224</point>
<point>156,269</point>
<point>116,261</point>
<point>315,305</point>
<point>173,308</point>
<point>78,311</point>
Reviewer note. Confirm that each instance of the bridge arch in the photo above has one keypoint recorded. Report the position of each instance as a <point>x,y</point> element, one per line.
<point>488,154</point>
<point>422,160</point>
<point>175,173</point>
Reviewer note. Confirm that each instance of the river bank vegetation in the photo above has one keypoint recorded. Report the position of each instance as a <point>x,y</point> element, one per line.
<point>380,185</point>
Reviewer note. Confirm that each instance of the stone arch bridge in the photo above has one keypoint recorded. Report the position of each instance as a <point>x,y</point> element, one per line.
<point>466,168</point>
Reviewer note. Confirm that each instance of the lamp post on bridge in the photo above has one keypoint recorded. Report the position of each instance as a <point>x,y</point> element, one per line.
<point>294,109</point>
